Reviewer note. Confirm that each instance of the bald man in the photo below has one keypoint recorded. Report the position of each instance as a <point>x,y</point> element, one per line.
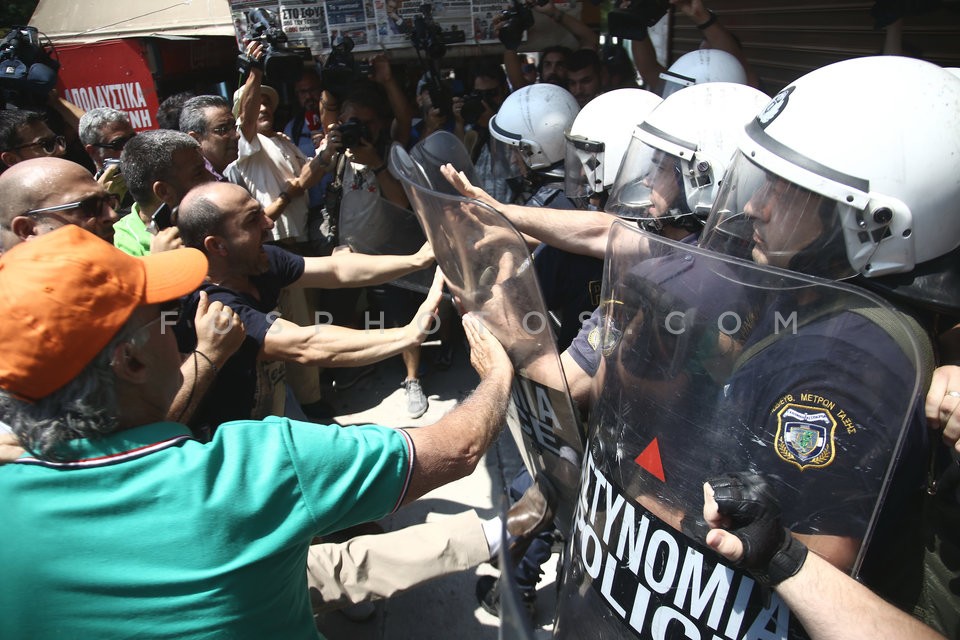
<point>43,194</point>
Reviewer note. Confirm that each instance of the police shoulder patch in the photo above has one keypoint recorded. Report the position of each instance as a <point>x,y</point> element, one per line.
<point>806,434</point>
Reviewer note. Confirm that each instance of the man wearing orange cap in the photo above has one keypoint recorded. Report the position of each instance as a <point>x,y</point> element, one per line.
<point>153,529</point>
<point>43,194</point>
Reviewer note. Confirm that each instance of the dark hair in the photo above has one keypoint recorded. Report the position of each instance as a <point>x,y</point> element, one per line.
<point>200,218</point>
<point>553,49</point>
<point>489,69</point>
<point>193,115</point>
<point>371,95</point>
<point>11,121</point>
<point>148,157</point>
<point>583,58</point>
<point>168,115</point>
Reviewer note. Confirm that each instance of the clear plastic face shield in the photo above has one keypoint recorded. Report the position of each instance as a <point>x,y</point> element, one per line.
<point>648,188</point>
<point>762,217</point>
<point>673,82</point>
<point>583,169</point>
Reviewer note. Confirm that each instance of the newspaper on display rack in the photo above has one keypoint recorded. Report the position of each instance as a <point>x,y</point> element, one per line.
<point>371,24</point>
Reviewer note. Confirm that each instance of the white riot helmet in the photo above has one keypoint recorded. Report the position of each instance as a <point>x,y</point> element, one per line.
<point>702,65</point>
<point>598,140</point>
<point>678,154</point>
<point>534,119</point>
<point>852,169</point>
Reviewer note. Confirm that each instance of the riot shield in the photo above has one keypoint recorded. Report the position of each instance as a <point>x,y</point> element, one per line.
<point>712,365</point>
<point>489,271</point>
<point>436,150</point>
<point>383,228</point>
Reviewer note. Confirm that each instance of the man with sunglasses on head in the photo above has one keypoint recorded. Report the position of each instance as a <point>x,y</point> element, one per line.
<point>25,135</point>
<point>104,132</point>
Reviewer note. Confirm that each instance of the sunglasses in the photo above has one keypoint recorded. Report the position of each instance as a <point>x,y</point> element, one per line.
<point>49,145</point>
<point>92,207</point>
<point>115,145</point>
<point>223,129</point>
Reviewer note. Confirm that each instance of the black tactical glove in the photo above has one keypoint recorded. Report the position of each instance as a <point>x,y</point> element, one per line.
<point>770,553</point>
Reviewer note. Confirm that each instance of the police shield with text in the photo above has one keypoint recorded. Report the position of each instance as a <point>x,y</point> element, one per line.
<point>750,354</point>
<point>488,268</point>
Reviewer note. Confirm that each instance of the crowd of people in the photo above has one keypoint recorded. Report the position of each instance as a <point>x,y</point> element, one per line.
<point>178,298</point>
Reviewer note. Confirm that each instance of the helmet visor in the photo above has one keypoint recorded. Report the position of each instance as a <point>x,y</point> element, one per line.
<point>648,186</point>
<point>762,217</point>
<point>583,168</point>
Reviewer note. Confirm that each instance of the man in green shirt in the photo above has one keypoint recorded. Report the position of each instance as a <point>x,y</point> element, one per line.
<point>120,522</point>
<point>160,167</point>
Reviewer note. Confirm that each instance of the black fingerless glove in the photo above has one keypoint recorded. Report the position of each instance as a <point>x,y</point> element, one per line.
<point>770,553</point>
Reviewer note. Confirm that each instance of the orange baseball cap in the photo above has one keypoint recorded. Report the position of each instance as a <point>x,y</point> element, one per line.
<point>67,293</point>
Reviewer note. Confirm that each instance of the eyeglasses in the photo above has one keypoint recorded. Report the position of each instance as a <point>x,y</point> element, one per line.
<point>115,145</point>
<point>224,129</point>
<point>49,145</point>
<point>92,207</point>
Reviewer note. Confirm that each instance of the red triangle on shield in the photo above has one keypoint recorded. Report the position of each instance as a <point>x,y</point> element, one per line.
<point>649,459</point>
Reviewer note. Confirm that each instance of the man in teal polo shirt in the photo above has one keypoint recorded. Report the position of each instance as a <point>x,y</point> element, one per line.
<point>120,524</point>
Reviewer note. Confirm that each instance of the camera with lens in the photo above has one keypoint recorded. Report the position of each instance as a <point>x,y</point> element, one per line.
<point>341,69</point>
<point>514,21</point>
<point>27,70</point>
<point>429,37</point>
<point>632,22</point>
<point>472,108</point>
<point>280,63</point>
<point>352,132</point>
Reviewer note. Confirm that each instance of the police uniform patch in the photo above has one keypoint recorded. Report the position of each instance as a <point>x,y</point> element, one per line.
<point>805,434</point>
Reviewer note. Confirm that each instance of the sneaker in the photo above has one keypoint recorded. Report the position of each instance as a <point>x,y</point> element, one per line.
<point>346,378</point>
<point>416,402</point>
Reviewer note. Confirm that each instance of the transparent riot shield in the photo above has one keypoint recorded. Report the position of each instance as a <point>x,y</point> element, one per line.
<point>436,150</point>
<point>489,270</point>
<point>380,227</point>
<point>713,365</point>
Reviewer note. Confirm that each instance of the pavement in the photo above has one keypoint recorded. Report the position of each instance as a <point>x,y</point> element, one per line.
<point>446,607</point>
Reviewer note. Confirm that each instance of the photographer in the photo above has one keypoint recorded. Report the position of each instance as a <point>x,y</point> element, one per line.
<point>586,37</point>
<point>437,117</point>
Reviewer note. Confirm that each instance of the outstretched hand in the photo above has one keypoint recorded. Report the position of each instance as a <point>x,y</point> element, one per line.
<point>487,355</point>
<point>463,185</point>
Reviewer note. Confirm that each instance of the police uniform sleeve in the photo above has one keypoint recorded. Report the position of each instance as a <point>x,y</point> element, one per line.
<point>828,413</point>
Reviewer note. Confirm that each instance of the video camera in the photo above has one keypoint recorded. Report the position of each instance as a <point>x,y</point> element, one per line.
<point>27,70</point>
<point>514,21</point>
<point>340,68</point>
<point>429,37</point>
<point>632,23</point>
<point>280,63</point>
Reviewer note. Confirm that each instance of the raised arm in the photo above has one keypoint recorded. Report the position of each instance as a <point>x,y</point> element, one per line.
<point>576,231</point>
<point>334,346</point>
<point>345,269</point>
